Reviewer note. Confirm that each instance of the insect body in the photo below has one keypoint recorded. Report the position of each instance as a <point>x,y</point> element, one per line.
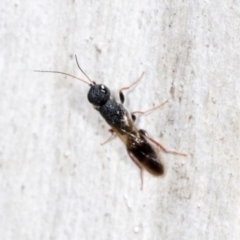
<point>139,149</point>
<point>122,124</point>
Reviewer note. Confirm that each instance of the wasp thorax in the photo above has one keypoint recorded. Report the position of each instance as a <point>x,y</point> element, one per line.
<point>98,94</point>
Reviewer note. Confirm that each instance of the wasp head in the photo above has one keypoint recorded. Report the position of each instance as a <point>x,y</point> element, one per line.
<point>98,94</point>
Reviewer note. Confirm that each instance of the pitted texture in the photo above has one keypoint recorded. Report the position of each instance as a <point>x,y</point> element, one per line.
<point>98,94</point>
<point>113,113</point>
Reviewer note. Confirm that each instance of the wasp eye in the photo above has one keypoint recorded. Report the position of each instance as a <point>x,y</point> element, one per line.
<point>103,89</point>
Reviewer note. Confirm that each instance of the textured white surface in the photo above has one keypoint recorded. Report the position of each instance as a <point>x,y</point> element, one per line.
<point>57,182</point>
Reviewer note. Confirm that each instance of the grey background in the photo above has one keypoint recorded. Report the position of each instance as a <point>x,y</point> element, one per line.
<point>57,181</point>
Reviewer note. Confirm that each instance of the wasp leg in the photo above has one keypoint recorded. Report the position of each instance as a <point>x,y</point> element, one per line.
<point>121,96</point>
<point>144,133</point>
<point>140,167</point>
<point>95,107</point>
<point>147,111</point>
<point>113,135</point>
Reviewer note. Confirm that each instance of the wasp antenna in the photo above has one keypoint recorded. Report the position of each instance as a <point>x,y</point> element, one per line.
<point>65,74</point>
<point>82,70</point>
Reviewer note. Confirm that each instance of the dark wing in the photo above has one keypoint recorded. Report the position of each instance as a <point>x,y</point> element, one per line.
<point>137,145</point>
<point>145,154</point>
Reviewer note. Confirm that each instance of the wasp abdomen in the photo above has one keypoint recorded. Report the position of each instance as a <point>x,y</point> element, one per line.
<point>148,158</point>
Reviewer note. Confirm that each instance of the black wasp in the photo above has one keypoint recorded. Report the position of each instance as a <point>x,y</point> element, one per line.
<point>136,140</point>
